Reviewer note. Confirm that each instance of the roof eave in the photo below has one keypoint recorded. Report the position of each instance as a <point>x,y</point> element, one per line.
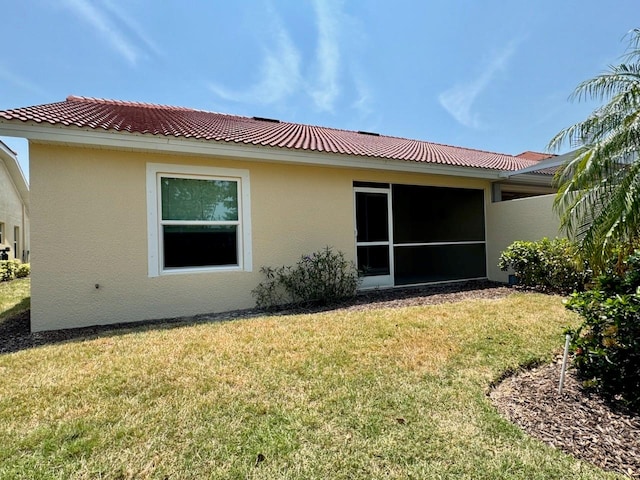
<point>542,164</point>
<point>152,143</point>
<point>528,179</point>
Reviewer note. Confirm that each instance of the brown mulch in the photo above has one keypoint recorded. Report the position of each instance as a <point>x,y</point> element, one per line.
<point>578,423</point>
<point>575,422</point>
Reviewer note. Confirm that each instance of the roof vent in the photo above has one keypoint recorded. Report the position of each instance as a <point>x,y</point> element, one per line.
<point>373,134</point>
<point>264,119</point>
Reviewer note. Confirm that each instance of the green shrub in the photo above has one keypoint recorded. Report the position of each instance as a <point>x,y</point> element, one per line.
<point>607,344</point>
<point>8,269</point>
<point>546,265</point>
<point>23,270</point>
<point>324,277</point>
<point>620,276</point>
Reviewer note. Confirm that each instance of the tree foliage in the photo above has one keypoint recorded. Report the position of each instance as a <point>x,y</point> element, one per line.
<point>599,189</point>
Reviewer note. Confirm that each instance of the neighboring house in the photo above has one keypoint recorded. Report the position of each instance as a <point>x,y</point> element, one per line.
<point>536,156</point>
<point>145,211</point>
<point>14,207</point>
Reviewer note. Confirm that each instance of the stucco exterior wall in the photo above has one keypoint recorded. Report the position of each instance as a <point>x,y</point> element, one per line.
<point>12,214</point>
<point>522,219</point>
<point>89,228</point>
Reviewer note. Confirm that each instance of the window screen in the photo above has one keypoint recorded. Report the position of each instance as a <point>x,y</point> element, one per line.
<point>439,263</point>
<point>437,214</point>
<point>372,217</point>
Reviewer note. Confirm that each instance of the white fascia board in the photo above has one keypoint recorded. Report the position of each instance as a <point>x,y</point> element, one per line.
<point>10,160</point>
<point>150,143</point>
<point>543,164</point>
<point>528,179</point>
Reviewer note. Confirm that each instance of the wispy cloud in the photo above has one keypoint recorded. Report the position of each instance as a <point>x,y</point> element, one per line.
<point>459,99</point>
<point>134,27</point>
<point>327,89</point>
<point>324,77</point>
<point>11,77</point>
<point>280,73</point>
<point>106,20</point>
<point>363,102</point>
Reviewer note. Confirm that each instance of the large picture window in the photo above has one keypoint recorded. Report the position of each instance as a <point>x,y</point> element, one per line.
<point>199,219</point>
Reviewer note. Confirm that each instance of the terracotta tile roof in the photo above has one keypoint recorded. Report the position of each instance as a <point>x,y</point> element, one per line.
<point>162,120</point>
<point>536,156</point>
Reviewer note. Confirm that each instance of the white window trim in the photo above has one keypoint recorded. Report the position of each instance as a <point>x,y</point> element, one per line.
<point>154,238</point>
<point>16,242</point>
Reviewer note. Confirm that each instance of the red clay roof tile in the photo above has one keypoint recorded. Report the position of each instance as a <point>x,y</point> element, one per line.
<point>536,156</point>
<point>163,120</point>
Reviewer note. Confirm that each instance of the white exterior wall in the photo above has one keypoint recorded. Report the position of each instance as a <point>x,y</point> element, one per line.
<point>90,228</point>
<point>12,211</point>
<point>527,219</point>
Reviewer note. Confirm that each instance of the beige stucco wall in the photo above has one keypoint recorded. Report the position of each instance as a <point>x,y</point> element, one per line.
<point>522,219</point>
<point>12,214</point>
<point>89,227</point>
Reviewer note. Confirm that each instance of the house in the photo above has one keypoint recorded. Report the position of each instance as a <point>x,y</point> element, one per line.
<point>145,211</point>
<point>14,207</point>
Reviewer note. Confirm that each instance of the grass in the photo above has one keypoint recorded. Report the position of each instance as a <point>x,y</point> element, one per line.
<point>396,393</point>
<point>14,297</point>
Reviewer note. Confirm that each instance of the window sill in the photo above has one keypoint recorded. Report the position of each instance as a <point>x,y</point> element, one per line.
<point>193,270</point>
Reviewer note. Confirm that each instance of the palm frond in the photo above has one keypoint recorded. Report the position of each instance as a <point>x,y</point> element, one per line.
<point>598,197</point>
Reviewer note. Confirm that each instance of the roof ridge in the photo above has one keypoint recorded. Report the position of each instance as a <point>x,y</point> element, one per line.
<point>127,103</point>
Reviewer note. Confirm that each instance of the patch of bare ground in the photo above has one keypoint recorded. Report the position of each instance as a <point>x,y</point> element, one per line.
<point>576,422</point>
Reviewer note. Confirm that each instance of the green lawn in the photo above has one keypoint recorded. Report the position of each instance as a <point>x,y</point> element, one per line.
<point>396,393</point>
<point>14,297</point>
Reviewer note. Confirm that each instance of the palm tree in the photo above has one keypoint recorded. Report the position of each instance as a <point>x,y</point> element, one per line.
<point>599,189</point>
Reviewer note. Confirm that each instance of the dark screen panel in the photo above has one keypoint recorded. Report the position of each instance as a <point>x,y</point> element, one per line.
<point>372,217</point>
<point>437,214</point>
<point>373,260</point>
<point>439,263</point>
<point>199,246</point>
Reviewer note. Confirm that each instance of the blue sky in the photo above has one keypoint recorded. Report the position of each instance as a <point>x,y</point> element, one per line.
<point>491,75</point>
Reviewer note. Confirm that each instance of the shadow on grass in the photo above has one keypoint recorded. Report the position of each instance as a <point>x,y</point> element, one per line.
<point>16,310</point>
<point>16,335</point>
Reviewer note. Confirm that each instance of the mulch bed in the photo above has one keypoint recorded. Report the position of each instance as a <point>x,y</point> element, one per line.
<point>575,422</point>
<point>578,423</point>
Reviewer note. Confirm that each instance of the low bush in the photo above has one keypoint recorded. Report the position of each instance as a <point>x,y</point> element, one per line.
<point>12,269</point>
<point>8,269</point>
<point>324,277</point>
<point>620,275</point>
<point>546,265</point>
<point>607,345</point>
<point>23,270</point>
